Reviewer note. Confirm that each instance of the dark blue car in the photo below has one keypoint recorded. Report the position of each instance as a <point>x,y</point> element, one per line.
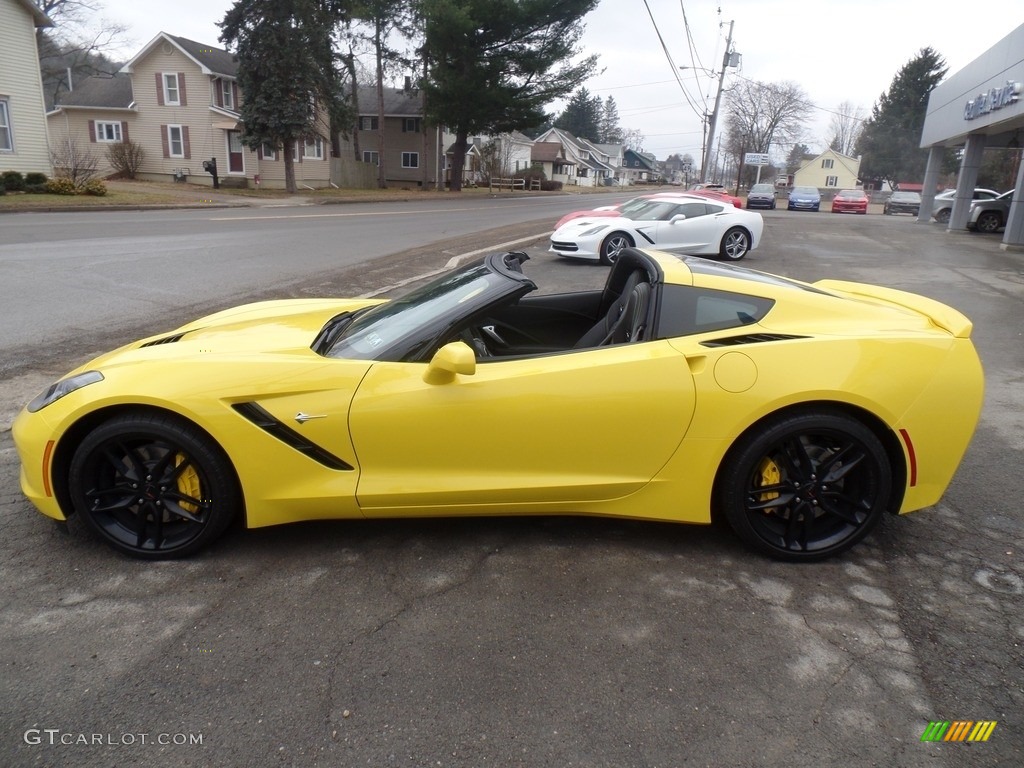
<point>804,199</point>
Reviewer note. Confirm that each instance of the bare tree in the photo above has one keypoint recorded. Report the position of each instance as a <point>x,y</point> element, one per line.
<point>845,127</point>
<point>79,45</point>
<point>71,162</point>
<point>765,115</point>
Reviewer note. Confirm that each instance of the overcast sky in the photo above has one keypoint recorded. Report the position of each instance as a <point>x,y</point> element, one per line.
<point>836,50</point>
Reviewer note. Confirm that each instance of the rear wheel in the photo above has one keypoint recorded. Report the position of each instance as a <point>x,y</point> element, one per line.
<point>735,244</point>
<point>943,216</point>
<point>989,222</point>
<point>613,245</point>
<point>805,487</point>
<point>152,487</point>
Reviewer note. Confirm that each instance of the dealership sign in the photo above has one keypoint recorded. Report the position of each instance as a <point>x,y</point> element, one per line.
<point>994,99</point>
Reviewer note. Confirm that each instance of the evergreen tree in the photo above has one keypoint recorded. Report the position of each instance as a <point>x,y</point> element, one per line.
<point>611,131</point>
<point>286,71</point>
<point>493,64</point>
<point>582,116</point>
<point>889,141</point>
<point>796,157</point>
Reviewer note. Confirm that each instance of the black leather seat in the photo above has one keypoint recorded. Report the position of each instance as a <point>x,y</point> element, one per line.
<point>624,321</point>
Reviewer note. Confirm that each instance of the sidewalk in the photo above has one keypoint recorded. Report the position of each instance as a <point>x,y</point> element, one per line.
<point>151,195</point>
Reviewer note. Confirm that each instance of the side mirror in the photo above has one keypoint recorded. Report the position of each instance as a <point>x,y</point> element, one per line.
<point>678,217</point>
<point>449,360</point>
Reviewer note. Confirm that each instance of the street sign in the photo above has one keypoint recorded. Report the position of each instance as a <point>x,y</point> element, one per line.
<point>756,158</point>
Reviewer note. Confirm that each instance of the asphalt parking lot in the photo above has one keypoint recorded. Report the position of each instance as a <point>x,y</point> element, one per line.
<point>548,642</point>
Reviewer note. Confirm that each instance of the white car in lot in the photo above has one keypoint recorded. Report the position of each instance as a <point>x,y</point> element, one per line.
<point>684,224</point>
<point>942,207</point>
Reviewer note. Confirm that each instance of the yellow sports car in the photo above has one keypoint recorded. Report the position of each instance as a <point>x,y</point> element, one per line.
<point>684,389</point>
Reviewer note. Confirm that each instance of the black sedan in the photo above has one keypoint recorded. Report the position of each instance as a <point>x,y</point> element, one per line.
<point>903,202</point>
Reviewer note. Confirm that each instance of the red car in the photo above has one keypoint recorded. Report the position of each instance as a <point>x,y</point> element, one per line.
<point>850,201</point>
<point>614,210</point>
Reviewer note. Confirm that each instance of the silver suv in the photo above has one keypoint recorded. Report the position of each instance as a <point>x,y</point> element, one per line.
<point>943,205</point>
<point>990,215</point>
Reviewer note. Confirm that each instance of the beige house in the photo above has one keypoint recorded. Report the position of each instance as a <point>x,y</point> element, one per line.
<point>180,101</point>
<point>829,170</point>
<point>23,140</point>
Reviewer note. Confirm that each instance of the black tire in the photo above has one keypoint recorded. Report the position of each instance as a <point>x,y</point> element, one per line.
<point>612,244</point>
<point>735,244</point>
<point>943,216</point>
<point>989,222</point>
<point>805,487</point>
<point>887,211</point>
<point>153,487</point>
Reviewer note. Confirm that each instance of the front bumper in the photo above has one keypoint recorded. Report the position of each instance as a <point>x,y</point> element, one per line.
<point>35,442</point>
<point>574,250</point>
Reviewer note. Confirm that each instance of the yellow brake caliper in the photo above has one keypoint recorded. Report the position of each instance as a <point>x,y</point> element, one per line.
<point>770,475</point>
<point>188,484</point>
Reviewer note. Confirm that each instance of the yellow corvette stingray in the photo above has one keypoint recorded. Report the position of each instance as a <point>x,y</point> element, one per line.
<point>684,389</point>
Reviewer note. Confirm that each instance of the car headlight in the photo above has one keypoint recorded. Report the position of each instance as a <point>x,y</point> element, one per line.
<point>63,387</point>
<point>593,230</point>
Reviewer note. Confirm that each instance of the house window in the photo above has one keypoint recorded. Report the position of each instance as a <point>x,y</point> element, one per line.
<point>410,125</point>
<point>6,139</point>
<point>831,181</point>
<point>108,132</point>
<point>171,94</point>
<point>227,94</point>
<point>314,149</point>
<point>268,151</point>
<point>370,156</point>
<point>175,141</point>
<point>827,162</point>
<point>367,123</point>
<point>410,159</point>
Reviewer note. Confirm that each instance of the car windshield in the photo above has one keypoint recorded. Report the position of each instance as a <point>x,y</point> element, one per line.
<point>372,332</point>
<point>910,196</point>
<point>762,188</point>
<point>851,193</point>
<point>805,191</point>
<point>658,210</point>
<point>631,207</point>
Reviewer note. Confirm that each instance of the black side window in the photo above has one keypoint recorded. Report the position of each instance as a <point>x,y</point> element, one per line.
<point>686,310</point>
<point>692,210</point>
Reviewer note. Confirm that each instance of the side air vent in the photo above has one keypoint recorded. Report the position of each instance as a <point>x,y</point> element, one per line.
<point>749,338</point>
<point>265,421</point>
<point>164,340</point>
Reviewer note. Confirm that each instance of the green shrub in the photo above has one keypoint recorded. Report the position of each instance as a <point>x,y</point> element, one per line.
<point>12,181</point>
<point>551,186</point>
<point>61,186</point>
<point>35,179</point>
<point>94,187</point>
<point>36,189</point>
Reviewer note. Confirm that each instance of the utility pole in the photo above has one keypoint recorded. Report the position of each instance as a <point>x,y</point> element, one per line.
<point>718,101</point>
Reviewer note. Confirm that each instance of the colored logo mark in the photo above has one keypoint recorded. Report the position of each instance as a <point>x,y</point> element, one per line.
<point>958,730</point>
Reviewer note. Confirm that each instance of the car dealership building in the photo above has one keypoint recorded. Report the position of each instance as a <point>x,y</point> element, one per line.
<point>981,106</point>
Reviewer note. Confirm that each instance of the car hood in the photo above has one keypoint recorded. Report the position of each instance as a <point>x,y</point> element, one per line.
<point>284,327</point>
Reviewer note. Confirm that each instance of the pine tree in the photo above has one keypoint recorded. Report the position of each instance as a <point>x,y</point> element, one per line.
<point>611,131</point>
<point>890,139</point>
<point>582,116</point>
<point>286,72</point>
<point>494,64</point>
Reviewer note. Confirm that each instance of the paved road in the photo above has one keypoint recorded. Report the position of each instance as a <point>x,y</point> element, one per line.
<point>68,276</point>
<point>559,642</point>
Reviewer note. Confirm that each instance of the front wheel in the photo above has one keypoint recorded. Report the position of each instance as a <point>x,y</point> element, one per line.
<point>735,244</point>
<point>989,222</point>
<point>613,245</point>
<point>943,216</point>
<point>805,487</point>
<point>153,487</point>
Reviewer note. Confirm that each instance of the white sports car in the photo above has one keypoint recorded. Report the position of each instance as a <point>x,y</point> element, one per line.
<point>683,224</point>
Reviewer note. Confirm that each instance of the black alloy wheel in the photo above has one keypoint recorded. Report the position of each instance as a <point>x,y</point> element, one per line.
<point>152,486</point>
<point>805,487</point>
<point>613,245</point>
